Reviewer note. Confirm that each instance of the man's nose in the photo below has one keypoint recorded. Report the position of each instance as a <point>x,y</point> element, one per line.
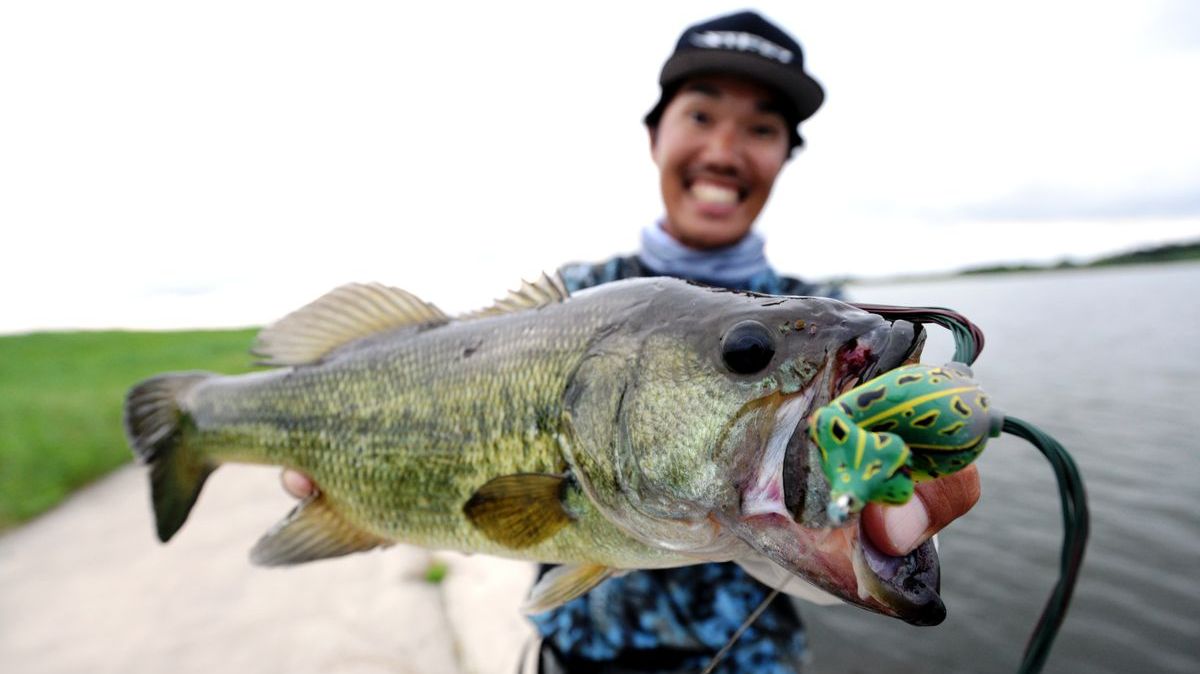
<point>721,147</point>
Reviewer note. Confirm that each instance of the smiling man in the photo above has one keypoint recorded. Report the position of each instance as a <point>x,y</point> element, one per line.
<point>733,95</point>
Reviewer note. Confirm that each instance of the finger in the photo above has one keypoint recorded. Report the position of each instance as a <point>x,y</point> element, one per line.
<point>898,530</point>
<point>297,484</point>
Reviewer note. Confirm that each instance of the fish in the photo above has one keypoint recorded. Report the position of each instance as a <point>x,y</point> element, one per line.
<point>640,424</point>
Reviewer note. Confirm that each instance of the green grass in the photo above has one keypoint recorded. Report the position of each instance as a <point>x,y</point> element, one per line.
<point>60,404</point>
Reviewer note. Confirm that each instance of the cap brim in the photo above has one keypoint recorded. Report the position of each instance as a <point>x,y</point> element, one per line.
<point>801,90</point>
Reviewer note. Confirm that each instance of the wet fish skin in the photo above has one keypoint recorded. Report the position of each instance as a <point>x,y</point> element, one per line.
<point>603,431</point>
<point>399,430</point>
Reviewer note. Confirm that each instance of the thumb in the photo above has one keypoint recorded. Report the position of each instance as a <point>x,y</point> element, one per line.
<point>898,530</point>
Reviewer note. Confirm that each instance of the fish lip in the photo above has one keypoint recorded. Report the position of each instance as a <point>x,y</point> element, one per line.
<point>909,585</point>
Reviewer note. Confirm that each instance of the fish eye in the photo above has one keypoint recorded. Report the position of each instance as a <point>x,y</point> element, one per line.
<point>747,347</point>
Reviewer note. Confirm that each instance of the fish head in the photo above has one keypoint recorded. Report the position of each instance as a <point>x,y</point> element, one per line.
<point>709,454</point>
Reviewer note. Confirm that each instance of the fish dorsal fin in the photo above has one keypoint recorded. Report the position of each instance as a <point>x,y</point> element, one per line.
<point>564,583</point>
<point>519,510</point>
<point>312,530</point>
<point>341,316</point>
<point>542,292</point>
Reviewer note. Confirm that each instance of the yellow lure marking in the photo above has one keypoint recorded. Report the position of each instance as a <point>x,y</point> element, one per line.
<point>959,406</point>
<point>900,460</point>
<point>931,415</point>
<point>872,468</point>
<point>839,428</point>
<point>952,428</point>
<point>914,402</point>
<point>858,451</point>
<point>946,448</point>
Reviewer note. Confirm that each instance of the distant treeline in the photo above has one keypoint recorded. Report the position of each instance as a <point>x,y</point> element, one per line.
<point>1172,252</point>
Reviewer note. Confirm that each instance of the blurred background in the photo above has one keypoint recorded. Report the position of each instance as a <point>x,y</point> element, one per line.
<point>173,175</point>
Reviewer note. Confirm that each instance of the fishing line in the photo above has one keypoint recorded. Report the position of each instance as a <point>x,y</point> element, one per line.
<point>1075,533</point>
<point>958,410</point>
<point>968,338</point>
<point>758,610</point>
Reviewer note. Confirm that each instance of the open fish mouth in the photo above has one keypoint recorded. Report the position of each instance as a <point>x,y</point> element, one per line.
<point>784,505</point>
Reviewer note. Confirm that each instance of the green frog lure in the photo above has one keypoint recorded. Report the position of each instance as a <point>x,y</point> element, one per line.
<point>912,424</point>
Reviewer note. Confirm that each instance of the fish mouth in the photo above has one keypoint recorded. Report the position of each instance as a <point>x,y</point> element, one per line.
<point>783,514</point>
<point>910,585</point>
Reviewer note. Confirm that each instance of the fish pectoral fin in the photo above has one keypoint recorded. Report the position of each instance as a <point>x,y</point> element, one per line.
<point>564,583</point>
<point>519,510</point>
<point>312,530</point>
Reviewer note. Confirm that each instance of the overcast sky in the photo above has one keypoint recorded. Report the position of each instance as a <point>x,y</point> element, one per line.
<point>171,164</point>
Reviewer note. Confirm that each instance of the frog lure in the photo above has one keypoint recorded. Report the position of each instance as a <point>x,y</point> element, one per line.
<point>920,422</point>
<point>912,424</point>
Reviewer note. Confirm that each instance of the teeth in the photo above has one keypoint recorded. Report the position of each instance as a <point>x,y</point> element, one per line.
<point>714,194</point>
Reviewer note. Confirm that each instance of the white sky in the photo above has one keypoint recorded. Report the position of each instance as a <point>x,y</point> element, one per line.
<point>178,164</point>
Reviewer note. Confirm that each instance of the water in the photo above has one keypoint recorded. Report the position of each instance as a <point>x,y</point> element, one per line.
<point>1106,362</point>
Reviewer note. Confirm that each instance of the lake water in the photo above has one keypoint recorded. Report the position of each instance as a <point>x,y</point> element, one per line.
<point>1107,362</point>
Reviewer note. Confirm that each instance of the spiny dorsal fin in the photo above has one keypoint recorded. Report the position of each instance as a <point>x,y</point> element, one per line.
<point>519,510</point>
<point>341,316</point>
<point>312,530</point>
<point>544,291</point>
<point>564,583</point>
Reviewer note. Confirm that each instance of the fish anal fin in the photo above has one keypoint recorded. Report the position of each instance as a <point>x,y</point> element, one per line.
<point>312,530</point>
<point>339,317</point>
<point>519,510</point>
<point>564,583</point>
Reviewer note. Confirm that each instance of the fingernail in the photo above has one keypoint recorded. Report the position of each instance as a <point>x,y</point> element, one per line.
<point>905,525</point>
<point>297,484</point>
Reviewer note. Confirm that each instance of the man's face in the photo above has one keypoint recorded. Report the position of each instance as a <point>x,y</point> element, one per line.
<point>719,146</point>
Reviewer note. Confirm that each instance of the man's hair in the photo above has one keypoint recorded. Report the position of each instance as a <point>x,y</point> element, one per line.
<point>743,45</point>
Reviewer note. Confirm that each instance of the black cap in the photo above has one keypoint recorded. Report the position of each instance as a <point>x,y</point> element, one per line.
<point>742,44</point>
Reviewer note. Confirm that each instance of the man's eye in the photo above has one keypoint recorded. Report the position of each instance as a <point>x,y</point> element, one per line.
<point>700,117</point>
<point>764,130</point>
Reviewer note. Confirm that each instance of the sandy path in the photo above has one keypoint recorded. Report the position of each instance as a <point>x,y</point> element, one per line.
<point>89,588</point>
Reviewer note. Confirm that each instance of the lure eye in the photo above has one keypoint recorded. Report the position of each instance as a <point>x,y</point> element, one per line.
<point>747,347</point>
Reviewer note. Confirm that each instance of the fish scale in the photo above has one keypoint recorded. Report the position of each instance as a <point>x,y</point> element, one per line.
<point>627,426</point>
<point>415,412</point>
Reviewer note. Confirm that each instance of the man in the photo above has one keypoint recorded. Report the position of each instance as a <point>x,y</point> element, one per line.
<point>733,94</point>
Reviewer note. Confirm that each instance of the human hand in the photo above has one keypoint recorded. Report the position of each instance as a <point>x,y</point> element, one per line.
<point>297,484</point>
<point>898,530</point>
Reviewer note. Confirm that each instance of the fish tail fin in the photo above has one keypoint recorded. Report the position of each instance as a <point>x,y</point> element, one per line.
<point>155,421</point>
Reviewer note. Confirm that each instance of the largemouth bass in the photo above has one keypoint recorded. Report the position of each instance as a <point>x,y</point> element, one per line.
<point>646,423</point>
